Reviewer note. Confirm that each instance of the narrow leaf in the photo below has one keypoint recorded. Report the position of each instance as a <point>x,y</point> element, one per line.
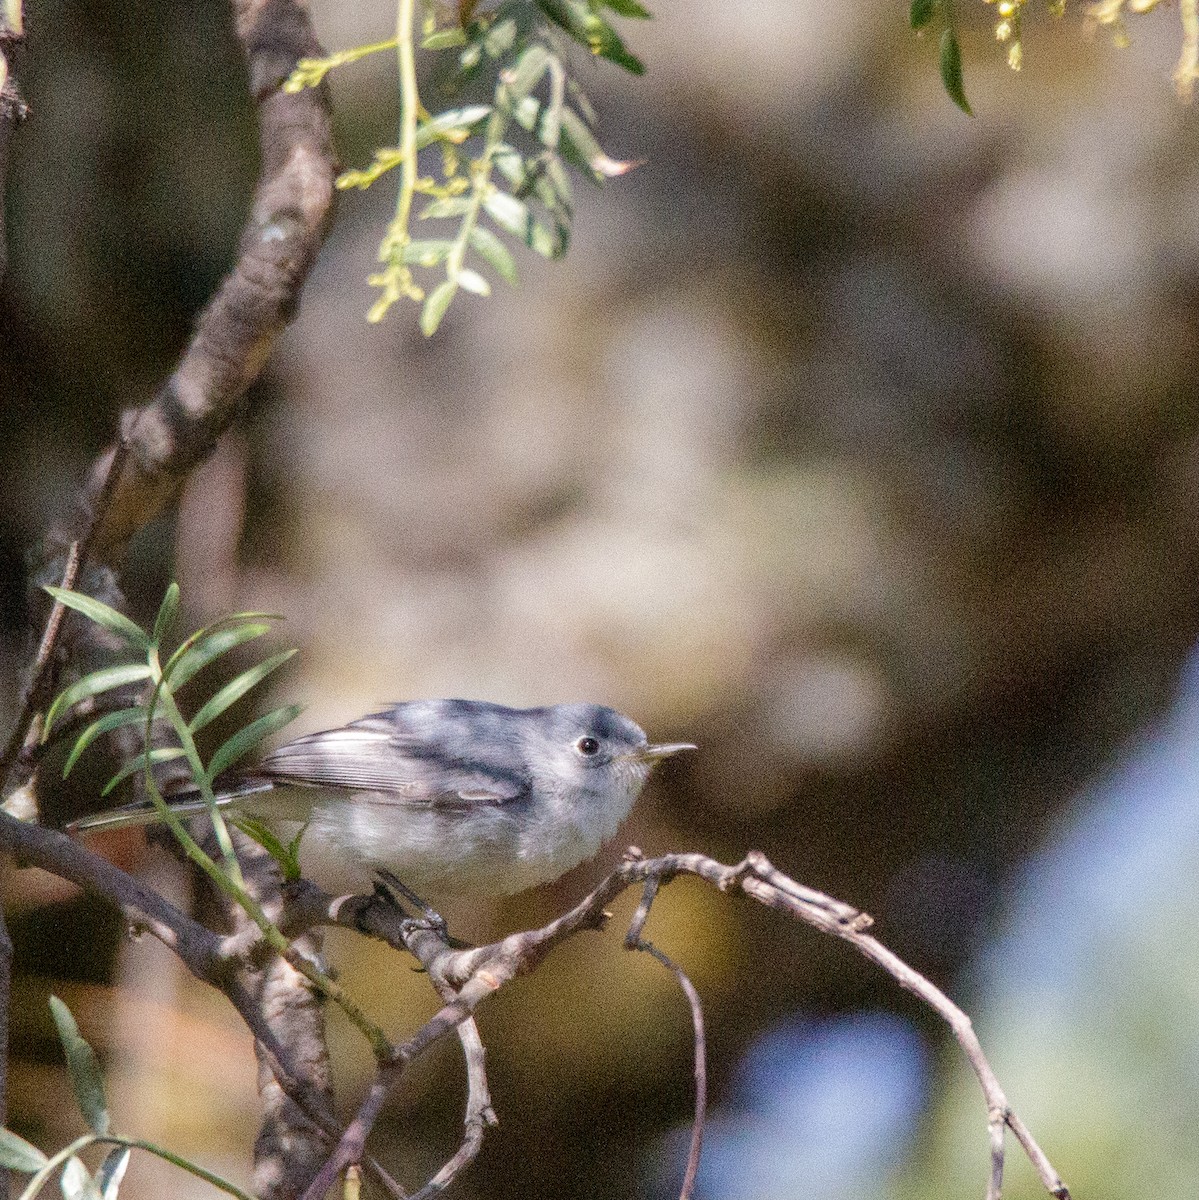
<point>627,8</point>
<point>16,1154</point>
<point>494,252</point>
<point>287,856</point>
<point>583,141</point>
<point>138,762</point>
<point>94,684</point>
<point>168,610</point>
<point>106,724</point>
<point>451,206</point>
<point>436,305</point>
<point>444,39</point>
<point>525,75</point>
<point>102,614</point>
<point>112,1172</point>
<point>454,120</point>
<point>76,1182</point>
<point>427,253</point>
<point>242,742</point>
<point>85,1070</point>
<point>508,213</point>
<point>233,691</point>
<point>921,12</point>
<point>500,37</point>
<point>189,660</point>
<point>951,70</point>
<point>472,281</point>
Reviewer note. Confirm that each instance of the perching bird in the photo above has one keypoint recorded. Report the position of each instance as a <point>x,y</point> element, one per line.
<point>458,797</point>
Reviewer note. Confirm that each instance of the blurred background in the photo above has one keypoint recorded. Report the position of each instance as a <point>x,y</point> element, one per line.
<point>854,440</point>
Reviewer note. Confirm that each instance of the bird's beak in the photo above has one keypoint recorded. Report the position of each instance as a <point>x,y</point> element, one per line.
<point>654,754</point>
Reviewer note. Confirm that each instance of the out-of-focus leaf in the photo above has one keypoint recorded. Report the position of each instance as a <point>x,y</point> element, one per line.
<point>138,762</point>
<point>951,70</point>
<point>500,37</point>
<point>106,724</point>
<point>102,614</point>
<point>190,660</point>
<point>435,306</point>
<point>494,252</point>
<point>513,216</point>
<point>235,689</point>
<point>454,119</point>
<point>472,281</point>
<point>628,8</point>
<point>582,140</point>
<point>921,12</point>
<point>445,39</point>
<point>242,742</point>
<point>168,610</point>
<point>450,206</point>
<point>427,254</point>
<point>112,1171</point>
<point>85,1070</point>
<point>526,73</point>
<point>94,684</point>
<point>585,25</point>
<point>76,1182</point>
<point>16,1154</point>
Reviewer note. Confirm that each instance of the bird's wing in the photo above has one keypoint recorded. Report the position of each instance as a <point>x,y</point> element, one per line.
<point>367,756</point>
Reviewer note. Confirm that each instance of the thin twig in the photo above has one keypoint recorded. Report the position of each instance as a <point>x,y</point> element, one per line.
<point>77,557</point>
<point>478,973</point>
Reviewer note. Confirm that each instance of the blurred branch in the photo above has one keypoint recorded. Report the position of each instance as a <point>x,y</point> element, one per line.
<point>234,335</point>
<point>12,107</point>
<point>472,975</point>
<point>24,736</point>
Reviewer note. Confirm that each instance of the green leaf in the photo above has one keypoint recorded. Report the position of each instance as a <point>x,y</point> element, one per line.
<point>16,1154</point>
<point>106,724</point>
<point>586,26</point>
<point>436,305</point>
<point>287,856</point>
<point>242,742</point>
<point>112,1171</point>
<point>494,253</point>
<point>94,684</point>
<point>168,610</point>
<point>500,37</point>
<point>138,762</point>
<point>428,253</point>
<point>209,644</point>
<point>76,1182</point>
<point>628,8</point>
<point>513,216</point>
<point>101,614</point>
<point>85,1070</point>
<point>921,12</point>
<point>582,141</point>
<point>460,120</point>
<point>235,689</point>
<point>951,70</point>
<point>472,281</point>
<point>451,206</point>
<point>525,75</point>
<point>445,39</point>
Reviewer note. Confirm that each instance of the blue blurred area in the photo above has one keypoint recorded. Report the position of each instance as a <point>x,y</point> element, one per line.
<point>821,1108</point>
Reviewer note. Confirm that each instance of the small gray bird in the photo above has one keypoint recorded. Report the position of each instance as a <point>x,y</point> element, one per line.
<point>458,797</point>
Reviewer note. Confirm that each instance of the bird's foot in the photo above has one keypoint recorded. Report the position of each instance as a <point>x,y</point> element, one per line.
<point>392,890</point>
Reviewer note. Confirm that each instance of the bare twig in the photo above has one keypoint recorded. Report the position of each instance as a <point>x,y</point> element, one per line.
<point>634,941</point>
<point>478,973</point>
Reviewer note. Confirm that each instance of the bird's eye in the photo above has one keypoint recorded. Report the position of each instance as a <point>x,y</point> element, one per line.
<point>587,746</point>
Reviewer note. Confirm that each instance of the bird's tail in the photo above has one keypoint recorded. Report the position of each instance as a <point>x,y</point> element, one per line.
<point>187,802</point>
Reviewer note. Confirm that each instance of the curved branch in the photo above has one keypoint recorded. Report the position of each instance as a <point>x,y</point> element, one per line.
<point>289,217</point>
<point>473,975</point>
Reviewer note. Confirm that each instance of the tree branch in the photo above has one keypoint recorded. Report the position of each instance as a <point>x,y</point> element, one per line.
<point>234,335</point>
<point>473,975</point>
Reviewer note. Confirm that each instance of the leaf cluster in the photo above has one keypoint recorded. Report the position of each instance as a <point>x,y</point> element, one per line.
<point>502,164</point>
<point>158,710</point>
<point>75,1180</point>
